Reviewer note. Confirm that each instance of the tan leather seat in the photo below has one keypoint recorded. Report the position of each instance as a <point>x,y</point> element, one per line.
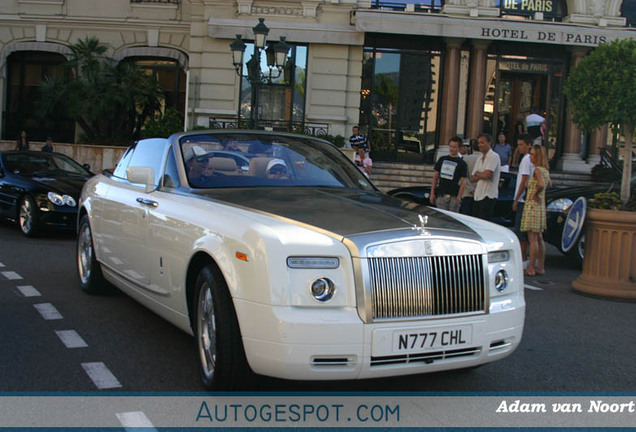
<point>223,165</point>
<point>258,166</point>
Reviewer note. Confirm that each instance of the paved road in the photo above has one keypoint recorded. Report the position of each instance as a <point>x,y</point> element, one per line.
<point>55,338</point>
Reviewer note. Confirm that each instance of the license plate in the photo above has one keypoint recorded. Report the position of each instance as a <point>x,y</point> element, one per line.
<point>411,341</point>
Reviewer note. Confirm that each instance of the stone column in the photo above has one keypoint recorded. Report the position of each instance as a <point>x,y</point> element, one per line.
<point>477,88</point>
<point>450,92</point>
<point>571,158</point>
<point>598,140</point>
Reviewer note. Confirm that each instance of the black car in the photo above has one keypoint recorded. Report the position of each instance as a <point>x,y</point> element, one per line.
<point>39,190</point>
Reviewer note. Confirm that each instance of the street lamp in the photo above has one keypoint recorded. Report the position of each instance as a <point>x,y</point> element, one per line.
<point>276,58</point>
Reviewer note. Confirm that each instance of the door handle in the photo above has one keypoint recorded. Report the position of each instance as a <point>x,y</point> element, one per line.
<point>147,202</point>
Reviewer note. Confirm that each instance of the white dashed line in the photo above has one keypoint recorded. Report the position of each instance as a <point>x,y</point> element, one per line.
<point>100,375</point>
<point>71,339</point>
<point>132,420</point>
<point>11,275</point>
<point>48,311</point>
<point>533,288</point>
<point>1,265</point>
<point>29,291</point>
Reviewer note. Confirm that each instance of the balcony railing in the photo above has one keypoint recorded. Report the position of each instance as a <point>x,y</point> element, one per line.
<point>416,5</point>
<point>306,128</point>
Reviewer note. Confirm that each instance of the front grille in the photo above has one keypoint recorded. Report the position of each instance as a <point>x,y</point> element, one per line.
<point>427,286</point>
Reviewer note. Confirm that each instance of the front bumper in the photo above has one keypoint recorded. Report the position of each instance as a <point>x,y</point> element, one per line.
<point>334,344</point>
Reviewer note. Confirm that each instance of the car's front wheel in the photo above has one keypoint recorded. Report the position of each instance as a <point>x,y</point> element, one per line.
<point>222,362</point>
<point>88,268</point>
<point>29,217</point>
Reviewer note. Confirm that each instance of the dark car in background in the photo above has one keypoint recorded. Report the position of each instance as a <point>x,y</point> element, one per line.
<point>558,203</point>
<point>40,190</point>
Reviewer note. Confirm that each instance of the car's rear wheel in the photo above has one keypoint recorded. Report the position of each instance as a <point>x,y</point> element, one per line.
<point>29,217</point>
<point>222,362</point>
<point>88,268</point>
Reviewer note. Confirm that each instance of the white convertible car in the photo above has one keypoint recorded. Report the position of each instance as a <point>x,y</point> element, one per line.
<point>282,259</point>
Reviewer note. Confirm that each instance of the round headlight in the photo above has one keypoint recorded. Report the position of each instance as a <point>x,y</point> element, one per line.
<point>69,201</point>
<point>560,205</point>
<point>501,280</point>
<point>323,289</point>
<point>55,198</point>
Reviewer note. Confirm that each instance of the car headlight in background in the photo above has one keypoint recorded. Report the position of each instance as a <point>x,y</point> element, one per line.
<point>560,205</point>
<point>61,200</point>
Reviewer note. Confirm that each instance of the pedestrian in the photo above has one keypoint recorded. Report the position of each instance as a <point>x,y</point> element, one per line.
<point>468,200</point>
<point>363,161</point>
<point>449,178</point>
<point>359,140</point>
<point>526,170</point>
<point>534,124</point>
<point>504,150</point>
<point>22,143</point>
<point>48,147</point>
<point>486,175</point>
<point>533,220</point>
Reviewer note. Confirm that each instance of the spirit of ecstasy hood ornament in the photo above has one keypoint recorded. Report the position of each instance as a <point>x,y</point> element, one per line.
<point>422,227</point>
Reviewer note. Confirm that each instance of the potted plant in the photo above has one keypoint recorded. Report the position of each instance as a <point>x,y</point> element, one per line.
<point>610,262</point>
<point>602,90</point>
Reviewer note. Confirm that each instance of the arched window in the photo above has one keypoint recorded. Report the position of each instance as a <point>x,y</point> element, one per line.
<point>170,76</point>
<point>25,72</point>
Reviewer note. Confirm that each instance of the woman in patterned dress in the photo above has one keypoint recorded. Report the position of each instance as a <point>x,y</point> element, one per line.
<point>534,213</point>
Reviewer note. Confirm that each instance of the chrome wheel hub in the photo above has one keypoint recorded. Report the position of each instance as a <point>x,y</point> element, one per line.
<point>26,216</point>
<point>207,331</point>
<point>84,253</point>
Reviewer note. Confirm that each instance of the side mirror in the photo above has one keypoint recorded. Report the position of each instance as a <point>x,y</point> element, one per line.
<point>142,175</point>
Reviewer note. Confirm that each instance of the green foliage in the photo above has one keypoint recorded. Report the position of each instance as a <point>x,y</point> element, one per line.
<point>164,125</point>
<point>602,87</point>
<point>605,201</point>
<point>111,102</point>
<point>337,140</point>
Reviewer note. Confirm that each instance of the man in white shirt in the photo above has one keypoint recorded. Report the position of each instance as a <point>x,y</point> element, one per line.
<point>485,176</point>
<point>526,169</point>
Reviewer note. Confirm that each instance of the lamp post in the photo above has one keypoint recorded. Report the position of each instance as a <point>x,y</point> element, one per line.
<point>276,57</point>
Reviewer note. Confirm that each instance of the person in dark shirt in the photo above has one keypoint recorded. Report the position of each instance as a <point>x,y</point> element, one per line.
<point>22,142</point>
<point>48,147</point>
<point>358,140</point>
<point>450,173</point>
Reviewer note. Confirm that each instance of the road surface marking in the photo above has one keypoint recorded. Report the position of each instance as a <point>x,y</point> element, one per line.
<point>132,420</point>
<point>11,275</point>
<point>533,288</point>
<point>1,265</point>
<point>71,339</point>
<point>48,311</point>
<point>29,291</point>
<point>100,375</point>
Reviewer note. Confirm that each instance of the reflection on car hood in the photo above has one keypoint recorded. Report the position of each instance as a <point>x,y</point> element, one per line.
<point>341,211</point>
<point>67,184</point>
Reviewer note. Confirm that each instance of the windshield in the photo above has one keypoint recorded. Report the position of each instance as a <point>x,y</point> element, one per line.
<point>36,164</point>
<point>250,159</point>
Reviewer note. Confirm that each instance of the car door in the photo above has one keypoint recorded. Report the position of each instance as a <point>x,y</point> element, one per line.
<point>124,216</point>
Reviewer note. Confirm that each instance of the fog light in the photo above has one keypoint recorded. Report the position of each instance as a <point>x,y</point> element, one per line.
<point>501,280</point>
<point>323,289</point>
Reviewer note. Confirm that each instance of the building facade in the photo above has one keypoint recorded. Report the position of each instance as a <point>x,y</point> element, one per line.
<point>412,74</point>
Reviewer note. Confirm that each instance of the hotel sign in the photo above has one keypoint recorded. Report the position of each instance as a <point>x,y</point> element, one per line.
<point>528,7</point>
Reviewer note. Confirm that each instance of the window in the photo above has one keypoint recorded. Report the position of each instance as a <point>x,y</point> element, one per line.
<point>26,71</point>
<point>170,77</point>
<point>399,100</point>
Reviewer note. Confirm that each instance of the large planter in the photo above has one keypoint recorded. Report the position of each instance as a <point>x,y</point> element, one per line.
<point>609,265</point>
